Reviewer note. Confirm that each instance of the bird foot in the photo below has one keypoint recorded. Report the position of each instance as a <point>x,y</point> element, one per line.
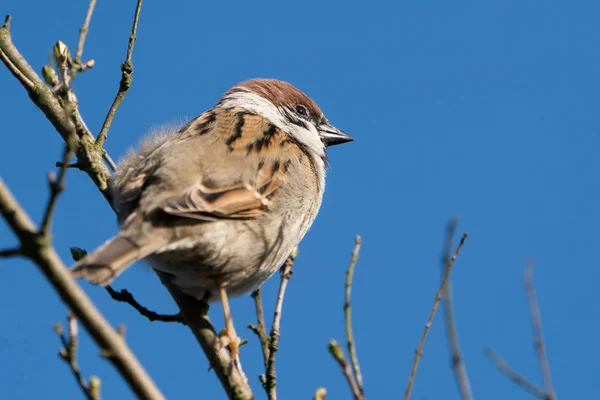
<point>232,341</point>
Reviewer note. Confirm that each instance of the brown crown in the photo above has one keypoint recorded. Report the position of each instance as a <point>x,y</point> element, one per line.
<point>279,93</point>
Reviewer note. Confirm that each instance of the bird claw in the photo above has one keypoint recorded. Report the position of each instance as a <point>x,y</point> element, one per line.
<point>232,342</point>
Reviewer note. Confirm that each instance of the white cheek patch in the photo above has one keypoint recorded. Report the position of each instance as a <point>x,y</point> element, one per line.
<point>258,105</point>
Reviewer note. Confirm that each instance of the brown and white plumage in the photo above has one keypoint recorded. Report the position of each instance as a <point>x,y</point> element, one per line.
<point>220,203</point>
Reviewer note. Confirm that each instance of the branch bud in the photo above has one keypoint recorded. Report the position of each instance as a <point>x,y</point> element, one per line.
<point>50,75</point>
<point>61,52</point>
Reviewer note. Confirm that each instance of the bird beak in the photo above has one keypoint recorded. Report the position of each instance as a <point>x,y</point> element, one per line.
<point>331,135</point>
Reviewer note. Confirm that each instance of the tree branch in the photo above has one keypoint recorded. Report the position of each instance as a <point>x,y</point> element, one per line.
<point>458,364</point>
<point>261,331</point>
<point>195,314</point>
<point>350,370</point>
<point>125,297</point>
<point>89,159</point>
<point>126,78</point>
<point>540,348</point>
<point>84,31</point>
<point>436,302</point>
<point>348,315</point>
<point>68,353</point>
<point>536,321</point>
<point>514,375</point>
<point>5,253</point>
<point>56,187</point>
<point>40,252</point>
<point>338,354</point>
<point>271,375</point>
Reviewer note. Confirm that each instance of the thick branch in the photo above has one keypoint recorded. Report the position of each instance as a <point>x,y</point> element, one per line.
<point>90,160</point>
<point>58,275</point>
<point>195,315</point>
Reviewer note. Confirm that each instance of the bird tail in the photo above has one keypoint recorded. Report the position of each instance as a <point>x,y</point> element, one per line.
<point>112,258</point>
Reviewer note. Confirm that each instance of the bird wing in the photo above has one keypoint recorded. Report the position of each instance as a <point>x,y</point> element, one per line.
<point>237,163</point>
<point>239,200</point>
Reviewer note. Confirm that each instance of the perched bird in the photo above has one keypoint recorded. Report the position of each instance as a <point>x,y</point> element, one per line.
<point>220,203</point>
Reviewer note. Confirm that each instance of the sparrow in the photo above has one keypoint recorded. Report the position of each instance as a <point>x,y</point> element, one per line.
<point>220,203</point>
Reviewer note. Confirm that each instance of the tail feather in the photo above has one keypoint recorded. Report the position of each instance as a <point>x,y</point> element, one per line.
<point>112,258</point>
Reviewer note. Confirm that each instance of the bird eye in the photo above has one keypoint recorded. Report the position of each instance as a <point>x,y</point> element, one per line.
<point>300,109</point>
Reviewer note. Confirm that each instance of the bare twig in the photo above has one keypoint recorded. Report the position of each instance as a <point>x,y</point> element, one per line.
<point>89,158</point>
<point>4,253</point>
<point>458,364</point>
<point>350,370</point>
<point>261,331</point>
<point>348,315</point>
<point>514,375</point>
<point>540,348</point>
<point>436,302</point>
<point>16,71</point>
<point>84,31</point>
<point>56,187</point>
<point>125,297</point>
<point>126,78</point>
<point>271,375</point>
<point>69,354</point>
<point>338,354</point>
<point>536,321</point>
<point>40,252</point>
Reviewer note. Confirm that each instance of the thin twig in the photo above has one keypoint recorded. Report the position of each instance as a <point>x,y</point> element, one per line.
<point>436,302</point>
<point>536,321</point>
<point>84,31</point>
<point>56,187</point>
<point>69,354</point>
<point>458,364</point>
<point>89,156</point>
<point>271,375</point>
<point>261,331</point>
<point>514,375</point>
<point>11,252</point>
<point>348,315</point>
<point>40,252</point>
<point>90,160</point>
<point>16,72</point>
<point>125,297</point>
<point>338,354</point>
<point>126,78</point>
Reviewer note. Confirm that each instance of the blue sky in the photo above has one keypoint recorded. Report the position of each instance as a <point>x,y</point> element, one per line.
<point>484,109</point>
